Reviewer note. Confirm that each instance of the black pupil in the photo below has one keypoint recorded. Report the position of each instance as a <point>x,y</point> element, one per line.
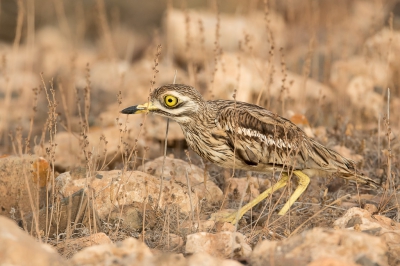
<point>170,100</point>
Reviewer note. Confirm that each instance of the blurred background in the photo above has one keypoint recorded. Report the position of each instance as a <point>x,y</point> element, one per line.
<point>68,67</point>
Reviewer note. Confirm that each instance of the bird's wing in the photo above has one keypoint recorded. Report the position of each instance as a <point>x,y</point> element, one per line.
<point>261,137</point>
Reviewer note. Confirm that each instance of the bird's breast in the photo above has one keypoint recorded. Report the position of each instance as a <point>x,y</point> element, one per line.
<point>210,145</point>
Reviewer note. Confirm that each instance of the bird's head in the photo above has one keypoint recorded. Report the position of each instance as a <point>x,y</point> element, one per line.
<point>176,101</point>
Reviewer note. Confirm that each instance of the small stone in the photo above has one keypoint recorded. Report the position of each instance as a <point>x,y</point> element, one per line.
<point>18,248</point>
<point>177,170</point>
<point>15,173</point>
<point>175,241</point>
<point>72,246</point>
<point>128,252</point>
<point>204,259</point>
<point>223,226</point>
<point>320,243</point>
<point>371,208</point>
<point>222,245</point>
<point>136,187</point>
<point>187,227</point>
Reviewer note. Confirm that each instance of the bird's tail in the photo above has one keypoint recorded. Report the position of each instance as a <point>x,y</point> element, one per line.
<point>344,167</point>
<point>358,177</point>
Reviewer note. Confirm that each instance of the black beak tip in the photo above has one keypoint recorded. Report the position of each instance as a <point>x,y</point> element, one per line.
<point>129,110</point>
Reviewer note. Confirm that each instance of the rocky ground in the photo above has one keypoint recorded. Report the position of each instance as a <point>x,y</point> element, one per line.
<point>81,184</point>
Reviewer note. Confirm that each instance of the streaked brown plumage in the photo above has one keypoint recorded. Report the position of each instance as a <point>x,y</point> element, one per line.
<point>246,136</point>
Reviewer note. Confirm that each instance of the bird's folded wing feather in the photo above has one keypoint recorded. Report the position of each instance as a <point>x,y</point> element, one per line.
<point>261,137</point>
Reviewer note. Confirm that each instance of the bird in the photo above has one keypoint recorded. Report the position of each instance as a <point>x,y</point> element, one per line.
<point>240,135</point>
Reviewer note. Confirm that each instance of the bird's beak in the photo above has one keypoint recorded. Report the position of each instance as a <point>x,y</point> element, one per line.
<point>139,109</point>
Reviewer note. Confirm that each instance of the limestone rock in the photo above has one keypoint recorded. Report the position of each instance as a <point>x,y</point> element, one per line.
<point>114,189</point>
<point>383,42</point>
<point>71,246</point>
<point>230,25</point>
<point>347,247</point>
<point>61,215</point>
<point>104,144</point>
<point>133,252</point>
<point>343,71</point>
<point>377,225</point>
<point>204,259</point>
<point>188,227</point>
<point>237,188</point>
<point>176,170</point>
<point>222,245</point>
<point>21,175</point>
<point>270,82</point>
<point>362,94</point>
<point>128,252</point>
<point>18,248</point>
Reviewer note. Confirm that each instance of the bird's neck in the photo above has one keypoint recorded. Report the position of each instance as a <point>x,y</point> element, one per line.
<point>202,119</point>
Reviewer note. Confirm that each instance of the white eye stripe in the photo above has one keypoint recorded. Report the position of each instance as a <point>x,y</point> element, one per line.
<point>184,106</point>
<point>180,97</point>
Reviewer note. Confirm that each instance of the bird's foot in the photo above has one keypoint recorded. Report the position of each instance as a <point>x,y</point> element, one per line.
<point>227,216</point>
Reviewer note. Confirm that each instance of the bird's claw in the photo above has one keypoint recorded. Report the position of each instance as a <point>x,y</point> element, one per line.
<point>226,216</point>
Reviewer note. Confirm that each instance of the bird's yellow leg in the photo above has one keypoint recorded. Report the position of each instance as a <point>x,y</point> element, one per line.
<point>236,216</point>
<point>304,180</point>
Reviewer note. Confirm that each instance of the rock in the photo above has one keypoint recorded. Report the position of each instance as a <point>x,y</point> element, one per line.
<point>204,259</point>
<point>251,82</point>
<point>166,259</point>
<point>376,225</point>
<point>344,246</point>
<point>222,245</point>
<point>128,252</point>
<point>367,221</point>
<point>105,146</point>
<point>176,170</point>
<point>114,189</point>
<point>106,143</point>
<point>133,252</point>
<point>384,45</point>
<point>156,127</point>
<point>343,71</point>
<point>237,188</point>
<point>331,262</point>
<point>61,217</point>
<point>362,94</point>
<point>21,175</point>
<point>188,227</point>
<point>229,27</point>
<point>71,246</point>
<point>224,226</point>
<point>18,248</point>
<point>371,208</point>
<point>130,217</point>
<point>174,242</point>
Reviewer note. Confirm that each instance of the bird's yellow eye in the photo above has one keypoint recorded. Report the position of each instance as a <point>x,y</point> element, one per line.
<point>170,100</point>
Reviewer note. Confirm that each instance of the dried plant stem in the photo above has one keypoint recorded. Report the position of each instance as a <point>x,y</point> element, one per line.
<point>34,208</point>
<point>144,216</point>
<point>317,213</point>
<point>190,196</point>
<point>105,28</point>
<point>61,17</point>
<point>165,155</point>
<point>163,165</point>
<point>20,22</point>
<point>389,131</point>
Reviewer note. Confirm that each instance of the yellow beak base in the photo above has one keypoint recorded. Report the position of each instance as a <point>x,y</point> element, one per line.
<point>139,109</point>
